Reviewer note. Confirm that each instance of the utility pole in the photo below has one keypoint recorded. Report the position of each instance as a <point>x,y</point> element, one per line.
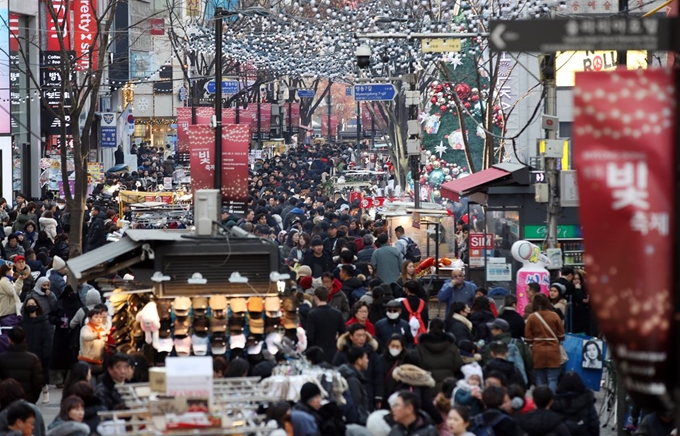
<point>330,109</point>
<point>548,71</point>
<point>413,134</point>
<point>218,98</point>
<point>358,125</point>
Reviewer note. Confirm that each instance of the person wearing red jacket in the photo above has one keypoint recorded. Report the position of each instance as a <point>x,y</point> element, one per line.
<point>360,312</point>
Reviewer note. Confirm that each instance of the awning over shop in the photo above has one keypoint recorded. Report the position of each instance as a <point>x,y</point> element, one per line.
<point>79,265</point>
<point>496,175</point>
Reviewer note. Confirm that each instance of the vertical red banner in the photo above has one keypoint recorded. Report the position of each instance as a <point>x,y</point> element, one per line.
<point>294,115</point>
<point>228,115</point>
<point>235,147</point>
<point>183,122</point>
<point>248,116</point>
<point>85,33</point>
<point>59,8</point>
<point>202,158</point>
<point>203,114</point>
<point>13,32</point>
<point>324,124</point>
<point>624,151</point>
<point>265,117</point>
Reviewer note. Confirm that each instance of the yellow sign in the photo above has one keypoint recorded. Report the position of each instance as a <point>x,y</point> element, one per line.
<point>440,45</point>
<point>570,62</point>
<point>143,197</point>
<point>565,152</point>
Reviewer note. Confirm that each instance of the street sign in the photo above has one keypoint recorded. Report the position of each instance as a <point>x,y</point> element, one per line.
<point>228,87</point>
<point>611,33</point>
<point>348,91</point>
<point>305,93</point>
<point>374,92</point>
<point>440,45</point>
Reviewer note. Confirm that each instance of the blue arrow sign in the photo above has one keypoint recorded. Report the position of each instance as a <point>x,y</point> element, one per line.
<point>374,92</point>
<point>228,87</point>
<point>305,93</point>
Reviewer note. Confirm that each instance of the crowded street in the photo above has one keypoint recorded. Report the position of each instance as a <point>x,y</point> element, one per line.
<point>339,217</point>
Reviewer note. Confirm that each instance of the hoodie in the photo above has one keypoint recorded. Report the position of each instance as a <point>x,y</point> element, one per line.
<point>92,298</point>
<point>353,289</point>
<point>374,374</point>
<point>356,384</point>
<point>46,302</point>
<point>440,355</point>
<point>505,367</point>
<point>49,225</point>
<point>578,412</point>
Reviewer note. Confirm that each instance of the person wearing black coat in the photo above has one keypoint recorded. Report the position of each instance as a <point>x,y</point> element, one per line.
<point>480,316</point>
<point>324,324</point>
<point>576,405</point>
<point>439,353</point>
<point>502,424</point>
<point>38,333</point>
<point>514,319</point>
<point>61,247</point>
<point>96,232</point>
<point>393,324</point>
<point>458,324</point>
<point>67,307</point>
<point>542,421</point>
<point>21,365</point>
<point>392,356</point>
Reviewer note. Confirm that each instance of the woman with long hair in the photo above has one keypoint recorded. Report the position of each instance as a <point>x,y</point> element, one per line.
<point>79,372</point>
<point>61,246</point>
<point>291,241</point>
<point>544,331</point>
<point>392,356</point>
<point>92,403</point>
<point>480,316</point>
<point>582,319</point>
<point>298,250</point>
<point>439,353</point>
<point>408,272</point>
<point>555,295</point>
<point>69,421</point>
<point>458,323</point>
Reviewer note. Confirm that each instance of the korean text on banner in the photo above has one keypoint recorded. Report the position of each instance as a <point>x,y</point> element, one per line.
<point>624,152</point>
<point>183,121</point>
<point>235,147</point>
<point>60,25</point>
<point>202,156</point>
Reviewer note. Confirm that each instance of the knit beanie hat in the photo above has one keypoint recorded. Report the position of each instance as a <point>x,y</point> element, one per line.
<point>309,391</point>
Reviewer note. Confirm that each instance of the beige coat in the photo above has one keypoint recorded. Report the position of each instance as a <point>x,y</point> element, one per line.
<point>92,341</point>
<point>9,298</point>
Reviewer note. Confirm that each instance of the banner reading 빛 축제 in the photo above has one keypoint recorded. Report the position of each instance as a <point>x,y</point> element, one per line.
<point>235,147</point>
<point>183,121</point>
<point>202,156</point>
<point>623,146</point>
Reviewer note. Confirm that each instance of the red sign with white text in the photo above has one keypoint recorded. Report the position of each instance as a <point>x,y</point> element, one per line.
<point>202,157</point>
<point>355,196</point>
<point>13,32</point>
<point>623,145</point>
<point>85,33</point>
<point>235,147</point>
<point>324,124</point>
<point>183,121</point>
<point>62,22</point>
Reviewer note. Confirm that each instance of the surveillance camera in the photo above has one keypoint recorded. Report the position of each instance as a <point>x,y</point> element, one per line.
<point>363,54</point>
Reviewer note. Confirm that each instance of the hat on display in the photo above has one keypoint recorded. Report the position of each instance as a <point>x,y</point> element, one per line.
<point>255,304</point>
<point>256,348</point>
<point>183,346</point>
<point>165,331</point>
<point>164,309</point>
<point>272,304</point>
<point>182,326</point>
<point>164,345</point>
<point>273,342</point>
<point>218,302</point>
<point>256,326</point>
<point>236,324</point>
<point>201,326</point>
<point>237,341</point>
<point>303,271</point>
<point>238,305</point>
<point>218,324</point>
<point>200,345</point>
<point>219,344</point>
<point>200,305</point>
<point>181,306</point>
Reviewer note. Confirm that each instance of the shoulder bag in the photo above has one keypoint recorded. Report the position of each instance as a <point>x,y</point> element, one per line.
<point>564,357</point>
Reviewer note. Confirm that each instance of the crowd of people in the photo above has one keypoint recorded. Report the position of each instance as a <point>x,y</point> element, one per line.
<point>478,369</point>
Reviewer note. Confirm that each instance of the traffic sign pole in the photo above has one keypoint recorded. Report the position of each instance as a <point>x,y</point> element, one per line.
<point>375,92</point>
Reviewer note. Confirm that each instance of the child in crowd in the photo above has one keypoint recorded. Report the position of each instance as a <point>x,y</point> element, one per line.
<point>468,392</point>
<point>443,402</point>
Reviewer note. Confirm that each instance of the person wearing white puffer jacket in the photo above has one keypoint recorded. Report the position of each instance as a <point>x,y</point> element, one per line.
<point>49,225</point>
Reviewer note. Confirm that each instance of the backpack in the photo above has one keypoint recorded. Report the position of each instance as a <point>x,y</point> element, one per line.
<point>515,357</point>
<point>415,321</point>
<point>480,428</point>
<point>412,250</point>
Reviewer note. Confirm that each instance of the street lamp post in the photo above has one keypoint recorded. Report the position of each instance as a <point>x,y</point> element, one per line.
<point>219,13</point>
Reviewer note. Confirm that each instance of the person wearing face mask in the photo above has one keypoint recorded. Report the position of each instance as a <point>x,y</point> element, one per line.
<point>392,357</point>
<point>41,292</point>
<point>65,340</point>
<point>39,338</point>
<point>393,324</point>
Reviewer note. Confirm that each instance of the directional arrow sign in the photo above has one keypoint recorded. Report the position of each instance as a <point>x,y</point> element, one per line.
<point>305,93</point>
<point>228,87</point>
<point>612,33</point>
<point>375,92</point>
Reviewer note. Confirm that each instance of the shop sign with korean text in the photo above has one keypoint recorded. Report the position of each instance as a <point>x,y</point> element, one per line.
<point>624,150</point>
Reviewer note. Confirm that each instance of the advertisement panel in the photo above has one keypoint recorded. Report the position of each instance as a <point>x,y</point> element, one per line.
<point>624,151</point>
<point>571,62</point>
<point>108,130</point>
<point>324,125</point>
<point>5,126</point>
<point>53,28</point>
<point>85,33</point>
<point>480,245</point>
<point>235,146</point>
<point>294,117</point>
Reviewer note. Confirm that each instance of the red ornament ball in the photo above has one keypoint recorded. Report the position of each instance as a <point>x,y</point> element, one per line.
<point>463,90</point>
<point>475,97</point>
<point>439,88</point>
<point>443,108</point>
<point>428,168</point>
<point>434,100</point>
<point>467,105</point>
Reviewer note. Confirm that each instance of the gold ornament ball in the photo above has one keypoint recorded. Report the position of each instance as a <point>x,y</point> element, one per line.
<point>437,193</point>
<point>436,164</point>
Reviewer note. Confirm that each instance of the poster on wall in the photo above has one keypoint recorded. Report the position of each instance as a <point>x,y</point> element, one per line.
<point>624,150</point>
<point>85,34</point>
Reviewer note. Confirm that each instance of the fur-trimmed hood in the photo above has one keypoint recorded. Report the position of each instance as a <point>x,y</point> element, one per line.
<point>343,341</point>
<point>69,428</point>
<point>413,376</point>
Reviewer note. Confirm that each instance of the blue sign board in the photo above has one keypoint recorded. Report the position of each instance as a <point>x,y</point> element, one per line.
<point>108,130</point>
<point>305,93</point>
<point>348,91</point>
<point>228,87</point>
<point>375,92</point>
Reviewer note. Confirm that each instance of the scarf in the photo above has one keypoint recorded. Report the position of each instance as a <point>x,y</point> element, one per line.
<point>461,318</point>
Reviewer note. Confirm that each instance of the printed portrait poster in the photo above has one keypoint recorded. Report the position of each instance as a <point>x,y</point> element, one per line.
<point>592,356</point>
<point>623,145</point>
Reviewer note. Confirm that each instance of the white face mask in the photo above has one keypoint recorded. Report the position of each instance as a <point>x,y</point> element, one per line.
<point>393,315</point>
<point>395,352</point>
<point>61,206</point>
